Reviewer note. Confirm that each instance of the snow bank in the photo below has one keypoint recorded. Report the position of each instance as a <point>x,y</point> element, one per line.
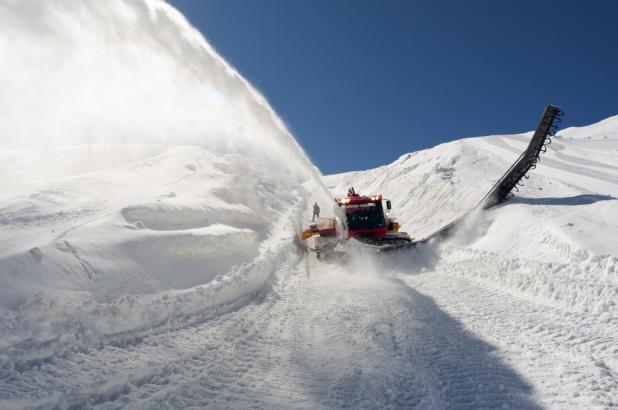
<point>555,242</point>
<point>144,180</point>
<point>120,250</point>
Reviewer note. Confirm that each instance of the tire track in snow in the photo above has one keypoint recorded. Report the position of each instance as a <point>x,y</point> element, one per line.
<point>559,351</point>
<point>320,337</point>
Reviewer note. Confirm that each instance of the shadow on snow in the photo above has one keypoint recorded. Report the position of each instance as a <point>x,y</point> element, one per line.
<point>585,199</point>
<point>406,352</point>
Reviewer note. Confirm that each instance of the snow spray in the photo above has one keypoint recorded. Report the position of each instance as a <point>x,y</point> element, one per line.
<point>90,72</point>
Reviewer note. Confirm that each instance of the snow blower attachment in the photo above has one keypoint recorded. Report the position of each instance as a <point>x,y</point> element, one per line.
<point>518,172</point>
<point>514,177</point>
<point>362,220</point>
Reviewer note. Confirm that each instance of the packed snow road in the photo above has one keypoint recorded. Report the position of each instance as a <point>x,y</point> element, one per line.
<point>320,336</point>
<point>326,336</point>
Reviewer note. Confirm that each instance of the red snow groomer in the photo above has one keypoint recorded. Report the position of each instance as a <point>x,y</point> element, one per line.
<point>362,219</point>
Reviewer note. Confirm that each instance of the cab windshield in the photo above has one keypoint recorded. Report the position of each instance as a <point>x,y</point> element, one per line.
<point>365,216</point>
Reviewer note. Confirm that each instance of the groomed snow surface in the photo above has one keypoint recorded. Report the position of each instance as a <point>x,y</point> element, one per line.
<point>149,254</point>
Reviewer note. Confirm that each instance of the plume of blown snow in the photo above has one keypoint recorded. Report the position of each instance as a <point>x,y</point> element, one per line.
<point>129,71</point>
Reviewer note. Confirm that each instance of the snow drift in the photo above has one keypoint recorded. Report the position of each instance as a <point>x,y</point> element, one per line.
<point>136,164</point>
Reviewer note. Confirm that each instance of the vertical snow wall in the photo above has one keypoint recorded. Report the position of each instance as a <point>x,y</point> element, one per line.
<point>129,73</point>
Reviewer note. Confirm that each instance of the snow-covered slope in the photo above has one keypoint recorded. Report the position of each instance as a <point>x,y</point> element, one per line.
<point>537,275</point>
<point>556,239</point>
<point>135,165</point>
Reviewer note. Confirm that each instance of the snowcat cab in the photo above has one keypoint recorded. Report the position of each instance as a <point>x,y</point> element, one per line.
<point>366,221</point>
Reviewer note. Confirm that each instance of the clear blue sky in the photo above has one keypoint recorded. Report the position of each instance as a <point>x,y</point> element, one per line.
<point>360,83</point>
